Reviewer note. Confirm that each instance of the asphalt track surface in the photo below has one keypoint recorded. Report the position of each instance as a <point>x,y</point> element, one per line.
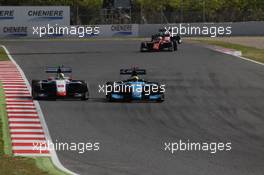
<point>210,97</point>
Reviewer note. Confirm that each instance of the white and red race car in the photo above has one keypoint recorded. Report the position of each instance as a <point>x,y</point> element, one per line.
<point>59,86</point>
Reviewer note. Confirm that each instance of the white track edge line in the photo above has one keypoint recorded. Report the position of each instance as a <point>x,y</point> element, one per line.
<point>253,61</point>
<point>241,57</point>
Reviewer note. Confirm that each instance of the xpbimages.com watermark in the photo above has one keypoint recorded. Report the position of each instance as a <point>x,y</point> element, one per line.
<point>80,31</point>
<point>80,147</point>
<point>128,88</point>
<point>192,30</point>
<point>183,146</point>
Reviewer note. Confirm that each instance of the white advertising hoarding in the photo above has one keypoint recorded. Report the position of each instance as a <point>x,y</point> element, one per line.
<point>20,21</point>
<point>16,21</point>
<point>117,30</point>
<point>129,30</point>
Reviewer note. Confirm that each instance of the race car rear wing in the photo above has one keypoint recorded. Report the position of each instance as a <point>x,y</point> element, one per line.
<point>133,71</point>
<point>58,70</point>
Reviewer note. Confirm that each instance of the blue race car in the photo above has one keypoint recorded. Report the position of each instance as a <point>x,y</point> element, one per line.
<point>134,88</point>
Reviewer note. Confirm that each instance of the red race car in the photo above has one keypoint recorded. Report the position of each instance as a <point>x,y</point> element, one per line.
<point>161,42</point>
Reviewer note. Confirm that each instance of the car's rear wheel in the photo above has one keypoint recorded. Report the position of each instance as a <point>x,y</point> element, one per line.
<point>85,96</point>
<point>171,48</point>
<point>175,46</point>
<point>34,95</point>
<point>109,97</point>
<point>161,99</point>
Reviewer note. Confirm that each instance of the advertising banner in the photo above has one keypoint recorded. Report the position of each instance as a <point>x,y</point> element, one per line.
<point>16,21</point>
<point>127,30</point>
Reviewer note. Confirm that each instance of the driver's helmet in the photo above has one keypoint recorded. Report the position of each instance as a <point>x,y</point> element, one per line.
<point>135,78</point>
<point>61,76</point>
<point>162,32</point>
<point>167,34</point>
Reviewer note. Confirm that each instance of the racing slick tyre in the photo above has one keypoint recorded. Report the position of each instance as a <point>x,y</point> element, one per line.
<point>85,96</point>
<point>35,95</point>
<point>109,98</point>
<point>171,48</point>
<point>109,86</point>
<point>161,99</point>
<point>142,47</point>
<point>175,46</point>
<point>35,87</point>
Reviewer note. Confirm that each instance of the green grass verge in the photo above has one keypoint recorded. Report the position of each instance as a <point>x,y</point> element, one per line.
<point>17,165</point>
<point>46,165</point>
<point>248,52</point>
<point>5,142</point>
<point>3,55</point>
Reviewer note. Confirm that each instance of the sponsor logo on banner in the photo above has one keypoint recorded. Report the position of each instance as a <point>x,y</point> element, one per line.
<point>6,14</point>
<point>45,15</point>
<point>121,29</point>
<point>15,31</point>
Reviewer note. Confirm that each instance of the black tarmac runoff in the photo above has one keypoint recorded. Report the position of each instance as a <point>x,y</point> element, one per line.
<point>210,98</point>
